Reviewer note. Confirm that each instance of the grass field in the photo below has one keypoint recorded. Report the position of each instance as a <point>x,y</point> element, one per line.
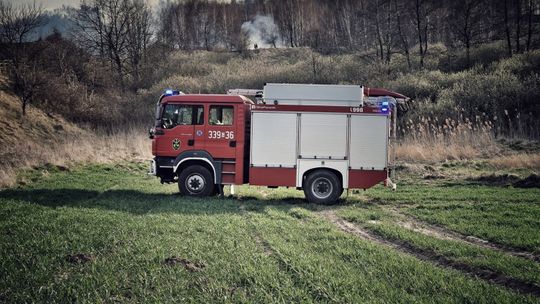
<point>109,233</point>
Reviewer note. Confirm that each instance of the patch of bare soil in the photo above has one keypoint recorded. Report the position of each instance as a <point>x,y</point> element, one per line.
<point>428,256</point>
<point>444,234</point>
<point>187,264</point>
<point>80,258</point>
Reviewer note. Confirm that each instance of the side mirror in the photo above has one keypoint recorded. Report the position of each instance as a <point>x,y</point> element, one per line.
<point>151,132</point>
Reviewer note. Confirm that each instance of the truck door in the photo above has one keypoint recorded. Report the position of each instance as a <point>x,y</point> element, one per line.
<point>221,132</point>
<point>178,124</point>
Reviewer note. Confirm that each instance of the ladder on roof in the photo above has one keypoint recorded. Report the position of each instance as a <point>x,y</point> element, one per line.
<point>246,92</point>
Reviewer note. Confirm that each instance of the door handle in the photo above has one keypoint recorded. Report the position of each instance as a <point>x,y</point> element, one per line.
<point>232,143</point>
<point>191,142</point>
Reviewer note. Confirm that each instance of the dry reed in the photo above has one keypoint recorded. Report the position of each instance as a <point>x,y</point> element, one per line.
<point>430,140</point>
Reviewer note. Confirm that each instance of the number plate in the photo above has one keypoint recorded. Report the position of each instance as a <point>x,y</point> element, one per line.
<point>214,134</point>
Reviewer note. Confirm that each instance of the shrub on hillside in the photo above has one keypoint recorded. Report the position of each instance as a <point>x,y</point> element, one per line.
<point>425,84</point>
<point>522,65</point>
<point>483,56</point>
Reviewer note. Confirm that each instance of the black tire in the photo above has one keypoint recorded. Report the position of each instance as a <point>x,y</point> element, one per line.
<point>196,181</point>
<point>322,187</point>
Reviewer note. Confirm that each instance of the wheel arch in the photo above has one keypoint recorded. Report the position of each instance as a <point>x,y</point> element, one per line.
<point>202,158</point>
<point>339,167</point>
<point>335,171</point>
<point>196,161</point>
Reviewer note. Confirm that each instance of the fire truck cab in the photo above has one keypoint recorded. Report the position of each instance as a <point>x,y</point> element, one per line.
<point>319,138</point>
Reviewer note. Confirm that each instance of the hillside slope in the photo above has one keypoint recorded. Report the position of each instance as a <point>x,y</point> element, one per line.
<point>36,127</point>
<point>28,140</point>
<point>41,138</point>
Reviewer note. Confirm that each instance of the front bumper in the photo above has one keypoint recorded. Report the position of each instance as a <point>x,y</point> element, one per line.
<point>153,168</point>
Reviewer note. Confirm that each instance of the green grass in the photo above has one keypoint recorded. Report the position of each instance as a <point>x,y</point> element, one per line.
<point>503,215</point>
<point>384,224</point>
<point>274,249</point>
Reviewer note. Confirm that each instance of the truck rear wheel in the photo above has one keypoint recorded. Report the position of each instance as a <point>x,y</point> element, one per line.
<point>196,181</point>
<point>322,187</point>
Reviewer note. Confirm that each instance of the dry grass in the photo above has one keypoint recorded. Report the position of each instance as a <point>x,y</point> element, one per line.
<point>432,141</point>
<point>39,138</point>
<point>521,160</point>
<point>130,144</point>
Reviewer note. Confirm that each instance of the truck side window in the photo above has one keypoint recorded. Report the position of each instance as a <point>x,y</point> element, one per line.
<point>221,115</point>
<point>176,114</point>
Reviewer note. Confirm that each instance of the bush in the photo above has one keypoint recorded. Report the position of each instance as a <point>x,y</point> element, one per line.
<point>481,56</point>
<point>523,65</point>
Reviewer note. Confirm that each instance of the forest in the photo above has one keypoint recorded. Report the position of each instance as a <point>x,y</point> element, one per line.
<point>126,46</point>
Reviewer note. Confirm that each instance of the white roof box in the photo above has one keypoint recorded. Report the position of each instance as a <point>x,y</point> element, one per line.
<point>313,94</point>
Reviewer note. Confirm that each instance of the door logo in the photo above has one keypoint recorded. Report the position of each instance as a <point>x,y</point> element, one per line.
<point>176,144</point>
<point>199,132</point>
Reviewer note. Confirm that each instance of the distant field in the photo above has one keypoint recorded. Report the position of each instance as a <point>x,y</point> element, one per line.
<point>109,233</point>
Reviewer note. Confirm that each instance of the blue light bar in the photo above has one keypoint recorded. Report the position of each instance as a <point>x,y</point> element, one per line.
<point>384,106</point>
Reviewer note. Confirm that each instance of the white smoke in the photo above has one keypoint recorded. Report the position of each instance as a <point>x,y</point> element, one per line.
<point>262,31</point>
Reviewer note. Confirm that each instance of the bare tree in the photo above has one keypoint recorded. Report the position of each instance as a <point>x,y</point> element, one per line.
<point>421,19</point>
<point>507,27</point>
<point>518,25</point>
<point>530,9</point>
<point>16,24</point>
<point>26,82</point>
<point>346,14</point>
<point>402,31</point>
<point>138,36</point>
<point>103,27</point>
<point>464,22</point>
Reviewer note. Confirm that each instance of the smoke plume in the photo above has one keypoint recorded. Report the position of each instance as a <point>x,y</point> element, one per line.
<point>262,31</point>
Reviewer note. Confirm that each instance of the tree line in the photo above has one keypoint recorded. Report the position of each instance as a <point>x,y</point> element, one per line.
<point>122,41</point>
<point>386,26</point>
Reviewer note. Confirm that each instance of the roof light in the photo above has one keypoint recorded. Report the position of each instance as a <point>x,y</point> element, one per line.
<point>384,106</point>
<point>168,92</point>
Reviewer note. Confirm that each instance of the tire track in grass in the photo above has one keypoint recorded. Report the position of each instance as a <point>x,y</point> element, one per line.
<point>439,232</point>
<point>297,276</point>
<point>428,256</point>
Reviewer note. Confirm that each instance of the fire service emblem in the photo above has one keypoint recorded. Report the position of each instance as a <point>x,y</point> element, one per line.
<point>176,144</point>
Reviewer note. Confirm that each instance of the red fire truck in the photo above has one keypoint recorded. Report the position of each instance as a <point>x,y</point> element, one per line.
<point>318,138</point>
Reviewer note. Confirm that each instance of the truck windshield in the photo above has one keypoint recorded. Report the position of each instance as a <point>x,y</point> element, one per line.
<point>176,114</point>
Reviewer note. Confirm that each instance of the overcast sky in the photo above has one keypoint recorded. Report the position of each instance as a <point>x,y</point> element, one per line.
<point>53,4</point>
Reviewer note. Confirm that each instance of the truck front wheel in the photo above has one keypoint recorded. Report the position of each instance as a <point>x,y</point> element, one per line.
<point>196,181</point>
<point>322,187</point>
